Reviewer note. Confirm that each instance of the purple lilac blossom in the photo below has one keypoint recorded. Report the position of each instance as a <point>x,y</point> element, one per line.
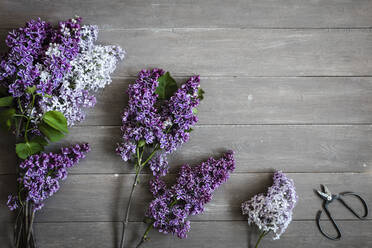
<point>273,211</point>
<point>62,62</point>
<point>40,174</point>
<point>193,189</point>
<point>165,124</point>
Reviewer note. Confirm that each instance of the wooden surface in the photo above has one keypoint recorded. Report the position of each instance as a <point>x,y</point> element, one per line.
<point>288,86</point>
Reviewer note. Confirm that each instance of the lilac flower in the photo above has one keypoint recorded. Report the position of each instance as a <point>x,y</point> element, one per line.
<point>273,211</point>
<point>194,187</point>
<point>159,164</point>
<point>62,62</point>
<point>164,124</point>
<point>35,48</point>
<point>41,173</point>
<point>12,203</point>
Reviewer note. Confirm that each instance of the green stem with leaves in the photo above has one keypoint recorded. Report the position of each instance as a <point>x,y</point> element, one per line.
<point>139,166</point>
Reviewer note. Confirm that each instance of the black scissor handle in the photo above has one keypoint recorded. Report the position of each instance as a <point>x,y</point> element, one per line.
<point>351,209</point>
<point>318,216</point>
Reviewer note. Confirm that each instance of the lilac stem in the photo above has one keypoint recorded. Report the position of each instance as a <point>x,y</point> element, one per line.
<point>139,168</point>
<point>144,237</point>
<point>263,234</point>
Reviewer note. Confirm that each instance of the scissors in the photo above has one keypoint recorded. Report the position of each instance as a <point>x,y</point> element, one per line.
<point>328,198</point>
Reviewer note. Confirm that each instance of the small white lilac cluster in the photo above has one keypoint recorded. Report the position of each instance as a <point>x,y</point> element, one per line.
<point>90,71</point>
<point>272,212</point>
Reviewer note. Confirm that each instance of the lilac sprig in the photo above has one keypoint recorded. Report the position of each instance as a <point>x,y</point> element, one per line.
<point>163,124</point>
<point>272,212</point>
<point>158,119</point>
<point>62,63</point>
<point>170,209</point>
<point>40,175</point>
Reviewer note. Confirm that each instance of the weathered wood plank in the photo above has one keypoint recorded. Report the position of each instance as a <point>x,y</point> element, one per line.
<point>102,197</point>
<point>73,234</point>
<point>235,52</point>
<point>187,13</point>
<point>261,101</point>
<point>294,148</point>
<point>203,234</point>
<point>237,234</point>
<point>244,52</point>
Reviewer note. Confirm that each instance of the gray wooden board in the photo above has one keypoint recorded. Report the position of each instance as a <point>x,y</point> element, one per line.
<point>213,234</point>
<point>103,197</point>
<point>288,86</point>
<point>246,100</point>
<point>121,14</point>
<point>292,148</point>
<point>245,52</point>
<point>236,52</point>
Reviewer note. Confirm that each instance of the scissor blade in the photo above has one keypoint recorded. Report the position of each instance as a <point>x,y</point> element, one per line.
<point>323,195</point>
<point>326,190</point>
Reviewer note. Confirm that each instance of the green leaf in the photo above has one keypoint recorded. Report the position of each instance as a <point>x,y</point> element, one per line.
<point>194,111</point>
<point>167,86</point>
<point>189,130</point>
<point>6,101</point>
<point>6,118</point>
<point>41,140</point>
<point>201,93</point>
<point>52,134</point>
<point>56,120</point>
<point>141,143</point>
<point>31,90</point>
<point>24,150</point>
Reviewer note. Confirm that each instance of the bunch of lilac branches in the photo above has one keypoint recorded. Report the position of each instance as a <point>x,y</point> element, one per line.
<point>272,212</point>
<point>38,180</point>
<point>171,207</point>
<point>158,119</point>
<point>48,77</point>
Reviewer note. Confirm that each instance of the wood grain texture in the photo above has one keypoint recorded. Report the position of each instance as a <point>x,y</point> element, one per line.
<point>244,52</point>
<point>237,52</point>
<point>288,87</point>
<point>293,148</point>
<point>119,14</point>
<point>78,197</point>
<point>203,234</point>
<point>237,100</point>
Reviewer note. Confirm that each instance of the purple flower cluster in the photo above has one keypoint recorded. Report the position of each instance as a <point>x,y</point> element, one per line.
<point>273,211</point>
<point>62,62</point>
<point>41,173</point>
<point>194,187</point>
<point>165,124</point>
<point>37,47</point>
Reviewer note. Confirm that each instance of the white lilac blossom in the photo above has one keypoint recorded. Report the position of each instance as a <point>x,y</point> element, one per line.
<point>90,71</point>
<point>272,212</point>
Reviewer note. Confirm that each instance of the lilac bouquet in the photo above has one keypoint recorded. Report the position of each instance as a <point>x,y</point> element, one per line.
<point>47,77</point>
<point>38,179</point>
<point>272,212</point>
<point>158,119</point>
<point>169,211</point>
